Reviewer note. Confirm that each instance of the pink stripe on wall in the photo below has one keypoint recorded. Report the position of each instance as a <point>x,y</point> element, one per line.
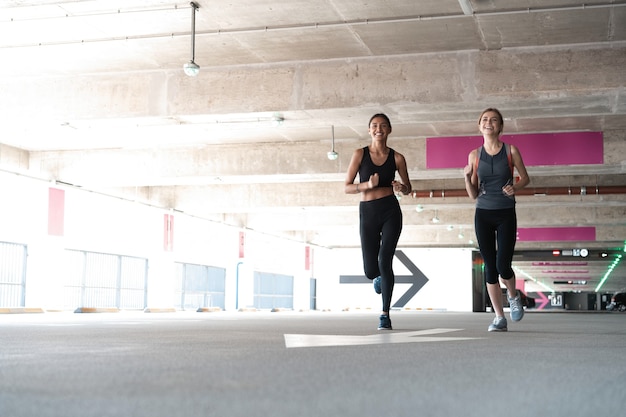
<point>450,152</point>
<point>550,234</point>
<point>571,148</point>
<point>168,232</point>
<point>56,212</point>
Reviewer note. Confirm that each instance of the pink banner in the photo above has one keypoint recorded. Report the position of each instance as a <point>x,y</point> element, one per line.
<point>571,148</point>
<point>56,212</point>
<point>555,234</point>
<point>242,241</point>
<point>168,232</point>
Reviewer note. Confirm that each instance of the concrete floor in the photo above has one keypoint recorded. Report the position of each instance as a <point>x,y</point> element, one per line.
<point>310,364</point>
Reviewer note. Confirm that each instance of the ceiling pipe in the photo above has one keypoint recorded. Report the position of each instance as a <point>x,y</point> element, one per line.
<point>466,6</point>
<point>530,191</point>
<point>298,27</point>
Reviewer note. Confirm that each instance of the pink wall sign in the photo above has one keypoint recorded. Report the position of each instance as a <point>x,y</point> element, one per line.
<point>556,234</point>
<point>537,149</point>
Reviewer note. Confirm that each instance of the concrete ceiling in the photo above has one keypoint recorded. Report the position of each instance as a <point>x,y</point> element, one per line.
<point>94,95</point>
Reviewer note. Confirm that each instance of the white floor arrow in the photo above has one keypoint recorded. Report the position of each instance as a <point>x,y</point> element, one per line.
<point>319,340</point>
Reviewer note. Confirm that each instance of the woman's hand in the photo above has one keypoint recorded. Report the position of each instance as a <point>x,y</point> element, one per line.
<point>468,171</point>
<point>398,187</point>
<point>508,189</point>
<point>373,181</point>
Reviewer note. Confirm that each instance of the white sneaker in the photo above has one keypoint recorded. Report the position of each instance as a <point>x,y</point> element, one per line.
<point>517,309</point>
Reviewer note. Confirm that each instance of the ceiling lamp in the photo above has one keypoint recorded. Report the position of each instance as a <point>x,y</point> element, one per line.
<point>332,155</point>
<point>277,120</point>
<point>436,218</point>
<point>191,68</point>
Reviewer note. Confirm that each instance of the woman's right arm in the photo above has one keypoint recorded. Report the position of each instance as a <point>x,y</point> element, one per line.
<point>471,177</point>
<point>350,187</point>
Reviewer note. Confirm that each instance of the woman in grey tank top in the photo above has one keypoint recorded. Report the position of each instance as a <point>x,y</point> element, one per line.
<point>489,181</point>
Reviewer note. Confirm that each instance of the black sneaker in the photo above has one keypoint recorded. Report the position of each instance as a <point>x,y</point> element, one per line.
<point>385,323</point>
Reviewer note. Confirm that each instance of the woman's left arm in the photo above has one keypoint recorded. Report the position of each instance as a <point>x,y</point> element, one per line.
<point>518,163</point>
<point>405,182</point>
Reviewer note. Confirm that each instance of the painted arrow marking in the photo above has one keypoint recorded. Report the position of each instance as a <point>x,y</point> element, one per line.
<point>418,279</point>
<point>543,300</point>
<point>321,340</point>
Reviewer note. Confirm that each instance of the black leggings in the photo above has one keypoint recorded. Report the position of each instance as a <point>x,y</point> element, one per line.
<point>380,226</point>
<point>496,227</point>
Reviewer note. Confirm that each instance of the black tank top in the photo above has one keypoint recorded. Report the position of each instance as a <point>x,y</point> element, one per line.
<point>386,172</point>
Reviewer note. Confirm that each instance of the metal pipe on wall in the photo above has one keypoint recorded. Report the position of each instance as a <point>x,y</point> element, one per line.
<point>532,191</point>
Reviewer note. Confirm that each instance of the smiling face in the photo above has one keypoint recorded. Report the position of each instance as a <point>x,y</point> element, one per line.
<point>379,127</point>
<point>490,122</point>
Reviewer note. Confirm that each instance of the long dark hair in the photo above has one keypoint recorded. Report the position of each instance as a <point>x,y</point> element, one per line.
<point>384,116</point>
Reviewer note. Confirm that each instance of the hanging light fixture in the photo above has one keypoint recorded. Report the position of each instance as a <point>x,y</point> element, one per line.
<point>436,218</point>
<point>191,68</point>
<point>277,120</point>
<point>332,155</point>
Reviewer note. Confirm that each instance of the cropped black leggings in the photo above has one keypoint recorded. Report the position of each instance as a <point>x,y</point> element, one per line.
<point>496,231</point>
<point>380,227</point>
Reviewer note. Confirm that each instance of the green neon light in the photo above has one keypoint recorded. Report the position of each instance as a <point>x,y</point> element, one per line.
<point>533,279</point>
<point>606,276</point>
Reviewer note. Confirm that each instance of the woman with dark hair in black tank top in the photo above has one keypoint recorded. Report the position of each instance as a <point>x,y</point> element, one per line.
<point>380,216</point>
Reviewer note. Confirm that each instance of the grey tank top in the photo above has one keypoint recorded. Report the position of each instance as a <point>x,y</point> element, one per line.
<point>494,172</point>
